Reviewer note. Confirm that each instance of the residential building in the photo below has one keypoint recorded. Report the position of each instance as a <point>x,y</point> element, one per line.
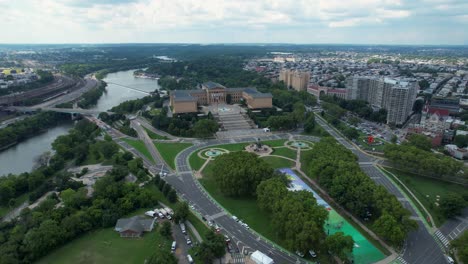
<point>396,96</point>
<point>296,80</point>
<point>187,101</point>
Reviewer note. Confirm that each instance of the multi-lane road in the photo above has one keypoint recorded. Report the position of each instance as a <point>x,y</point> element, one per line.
<point>420,246</point>
<point>190,190</point>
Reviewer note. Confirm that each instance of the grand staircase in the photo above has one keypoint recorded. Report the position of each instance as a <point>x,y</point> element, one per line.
<point>235,121</point>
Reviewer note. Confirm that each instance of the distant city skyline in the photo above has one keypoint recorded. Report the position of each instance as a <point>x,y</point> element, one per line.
<point>413,22</point>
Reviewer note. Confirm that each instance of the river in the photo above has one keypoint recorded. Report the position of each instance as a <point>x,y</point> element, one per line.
<point>21,157</point>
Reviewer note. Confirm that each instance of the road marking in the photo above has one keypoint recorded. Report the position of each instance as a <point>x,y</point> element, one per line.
<point>213,217</point>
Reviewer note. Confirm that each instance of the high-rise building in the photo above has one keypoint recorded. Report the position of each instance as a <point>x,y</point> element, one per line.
<point>296,80</point>
<point>397,96</point>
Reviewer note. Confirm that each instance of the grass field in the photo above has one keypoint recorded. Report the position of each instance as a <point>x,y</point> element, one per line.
<point>170,150</point>
<point>427,189</point>
<point>140,147</point>
<point>277,162</point>
<point>196,162</point>
<point>364,145</point>
<point>18,201</point>
<point>106,246</point>
<point>274,143</point>
<point>153,135</point>
<point>245,208</point>
<point>285,152</point>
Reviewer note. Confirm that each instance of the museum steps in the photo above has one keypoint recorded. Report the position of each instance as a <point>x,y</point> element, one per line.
<point>235,121</point>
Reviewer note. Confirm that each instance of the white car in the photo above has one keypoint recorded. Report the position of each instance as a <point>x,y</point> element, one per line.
<point>235,218</point>
<point>189,241</point>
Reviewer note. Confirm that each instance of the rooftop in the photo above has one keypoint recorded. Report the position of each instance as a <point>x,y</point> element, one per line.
<point>212,85</point>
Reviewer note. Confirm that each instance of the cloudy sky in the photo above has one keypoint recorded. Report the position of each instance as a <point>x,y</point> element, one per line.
<point>235,21</point>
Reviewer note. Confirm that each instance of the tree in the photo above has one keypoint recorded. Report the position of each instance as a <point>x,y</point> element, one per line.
<point>237,174</point>
<point>461,245</point>
<point>387,227</point>
<point>461,141</point>
<point>394,139</point>
<point>166,189</point>
<point>172,196</point>
<point>423,84</point>
<point>166,229</point>
<point>162,257</point>
<point>452,204</point>
<point>212,247</point>
<point>181,211</point>
<point>205,128</point>
<point>419,141</point>
<point>309,124</point>
<point>340,245</point>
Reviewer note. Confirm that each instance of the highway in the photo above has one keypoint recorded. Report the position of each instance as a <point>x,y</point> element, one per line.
<point>420,246</point>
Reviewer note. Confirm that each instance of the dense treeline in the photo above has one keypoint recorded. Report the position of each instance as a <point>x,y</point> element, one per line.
<point>36,232</point>
<point>91,97</point>
<point>132,106</point>
<point>332,114</point>
<point>225,70</point>
<point>359,107</point>
<point>296,217</point>
<point>30,126</point>
<point>336,170</point>
<point>412,159</point>
<point>81,69</point>
<point>185,125</point>
<point>298,220</point>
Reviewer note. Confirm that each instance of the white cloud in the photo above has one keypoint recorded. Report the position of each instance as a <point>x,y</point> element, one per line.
<point>155,20</point>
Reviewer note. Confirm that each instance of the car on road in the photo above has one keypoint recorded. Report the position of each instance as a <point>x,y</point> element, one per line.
<point>189,242</point>
<point>174,245</point>
<point>227,239</point>
<point>192,207</point>
<point>235,218</point>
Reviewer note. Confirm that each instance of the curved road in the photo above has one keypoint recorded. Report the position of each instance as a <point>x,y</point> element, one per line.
<point>184,182</point>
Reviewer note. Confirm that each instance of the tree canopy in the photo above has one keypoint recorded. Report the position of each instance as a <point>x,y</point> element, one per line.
<point>237,174</point>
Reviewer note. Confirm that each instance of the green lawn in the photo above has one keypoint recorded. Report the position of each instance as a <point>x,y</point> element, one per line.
<point>196,162</point>
<point>139,146</point>
<point>245,208</point>
<point>153,135</point>
<point>362,142</point>
<point>277,162</point>
<point>285,152</point>
<point>106,246</point>
<point>274,143</point>
<point>18,201</point>
<point>427,189</point>
<point>170,150</point>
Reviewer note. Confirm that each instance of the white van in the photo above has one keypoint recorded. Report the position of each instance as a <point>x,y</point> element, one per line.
<point>189,258</point>
<point>174,245</point>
